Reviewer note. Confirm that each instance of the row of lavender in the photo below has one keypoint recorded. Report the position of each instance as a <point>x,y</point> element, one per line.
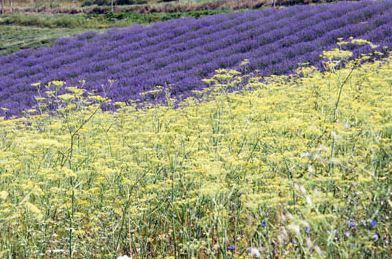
<point>182,52</point>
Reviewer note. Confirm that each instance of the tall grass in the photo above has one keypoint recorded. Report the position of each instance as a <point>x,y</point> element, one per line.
<point>22,31</point>
<point>14,38</point>
<point>97,21</point>
<point>276,170</point>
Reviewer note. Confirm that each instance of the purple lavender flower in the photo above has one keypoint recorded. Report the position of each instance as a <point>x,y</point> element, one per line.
<point>182,52</point>
<point>376,237</point>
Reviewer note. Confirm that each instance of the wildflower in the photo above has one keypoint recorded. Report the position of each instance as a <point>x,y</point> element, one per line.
<point>3,195</point>
<point>336,54</point>
<point>283,217</point>
<point>373,223</point>
<point>335,136</point>
<point>311,169</point>
<point>66,97</point>
<point>307,230</point>
<point>309,200</point>
<point>347,234</point>
<point>376,237</point>
<point>58,83</point>
<point>294,229</point>
<point>309,243</point>
<point>254,252</point>
<point>39,99</point>
<point>231,247</point>
<point>244,62</point>
<point>263,223</point>
<point>318,250</point>
<point>99,98</point>
<point>283,235</point>
<point>300,188</point>
<point>76,91</point>
<point>306,154</point>
<point>120,104</point>
<point>351,224</point>
<point>34,210</point>
<point>290,216</point>
<point>36,84</point>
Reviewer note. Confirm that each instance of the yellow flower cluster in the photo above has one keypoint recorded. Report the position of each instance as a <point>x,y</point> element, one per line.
<point>281,166</point>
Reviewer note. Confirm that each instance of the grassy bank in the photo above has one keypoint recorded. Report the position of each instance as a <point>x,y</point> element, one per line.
<point>20,31</point>
<point>14,38</point>
<point>94,21</point>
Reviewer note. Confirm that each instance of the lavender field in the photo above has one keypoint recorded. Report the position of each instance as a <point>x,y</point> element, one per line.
<point>180,53</point>
<point>257,134</point>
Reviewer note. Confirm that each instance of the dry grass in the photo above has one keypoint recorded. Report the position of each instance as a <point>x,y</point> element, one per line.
<point>69,6</point>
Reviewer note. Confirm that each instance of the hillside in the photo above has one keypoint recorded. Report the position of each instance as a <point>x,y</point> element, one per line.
<point>124,63</point>
<point>249,134</point>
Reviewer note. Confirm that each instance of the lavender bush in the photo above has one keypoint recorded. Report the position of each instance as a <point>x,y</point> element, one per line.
<point>180,53</point>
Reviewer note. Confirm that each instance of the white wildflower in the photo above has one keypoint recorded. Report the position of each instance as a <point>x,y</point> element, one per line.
<point>323,148</point>
<point>318,251</point>
<point>335,136</point>
<point>306,154</point>
<point>254,252</point>
<point>309,200</point>
<point>295,229</point>
<point>283,235</point>
<point>309,243</point>
<point>283,217</point>
<point>3,195</point>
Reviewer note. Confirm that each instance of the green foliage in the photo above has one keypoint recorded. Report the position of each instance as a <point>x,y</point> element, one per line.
<point>117,2</point>
<point>14,38</point>
<point>54,21</point>
<point>157,17</point>
<point>96,21</point>
<point>279,167</point>
<point>20,31</point>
